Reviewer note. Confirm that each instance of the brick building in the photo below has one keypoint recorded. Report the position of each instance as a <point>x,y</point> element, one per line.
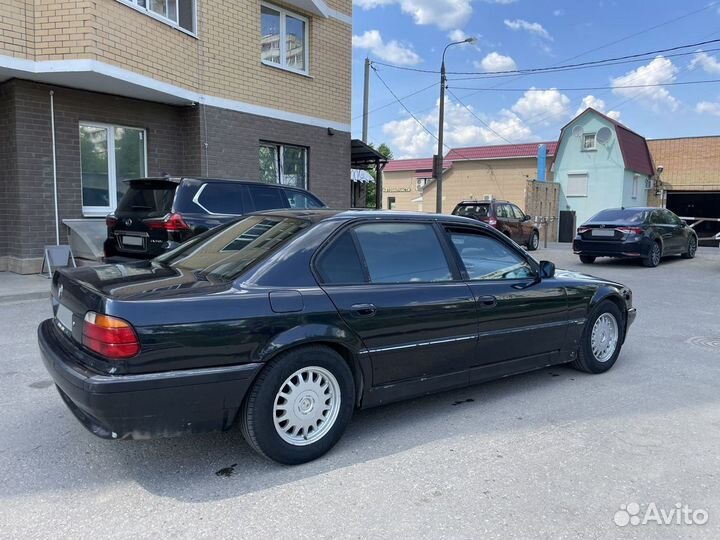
<point>229,88</point>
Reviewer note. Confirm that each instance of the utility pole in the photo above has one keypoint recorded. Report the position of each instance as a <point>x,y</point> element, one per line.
<point>366,101</point>
<point>441,126</point>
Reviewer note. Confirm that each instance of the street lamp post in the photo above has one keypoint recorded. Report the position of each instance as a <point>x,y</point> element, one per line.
<point>441,125</point>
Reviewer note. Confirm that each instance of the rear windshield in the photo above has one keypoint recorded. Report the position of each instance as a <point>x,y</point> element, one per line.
<point>473,210</point>
<point>153,199</point>
<point>630,215</point>
<point>224,252</point>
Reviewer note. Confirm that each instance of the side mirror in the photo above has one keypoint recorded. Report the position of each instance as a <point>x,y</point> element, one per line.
<point>684,223</point>
<point>547,269</point>
<point>527,218</point>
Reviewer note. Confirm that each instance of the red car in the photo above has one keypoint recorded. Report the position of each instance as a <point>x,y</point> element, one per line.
<point>505,217</point>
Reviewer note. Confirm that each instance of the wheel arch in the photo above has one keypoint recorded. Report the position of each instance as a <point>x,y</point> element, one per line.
<point>613,295</point>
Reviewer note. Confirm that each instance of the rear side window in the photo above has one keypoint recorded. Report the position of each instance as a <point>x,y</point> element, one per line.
<point>340,262</point>
<point>402,253</point>
<point>266,198</point>
<point>298,199</point>
<point>473,210</point>
<point>221,198</point>
<point>152,199</point>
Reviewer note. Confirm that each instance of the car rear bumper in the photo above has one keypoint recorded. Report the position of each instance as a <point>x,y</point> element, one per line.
<point>147,405</point>
<point>612,248</point>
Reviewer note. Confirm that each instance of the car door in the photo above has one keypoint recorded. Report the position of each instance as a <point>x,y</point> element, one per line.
<point>525,225</point>
<point>522,320</point>
<point>679,232</point>
<point>663,229</point>
<point>396,286</point>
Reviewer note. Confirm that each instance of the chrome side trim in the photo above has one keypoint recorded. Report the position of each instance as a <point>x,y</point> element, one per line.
<point>419,344</point>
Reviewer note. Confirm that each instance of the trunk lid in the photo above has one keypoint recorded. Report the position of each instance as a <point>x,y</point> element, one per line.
<point>607,231</point>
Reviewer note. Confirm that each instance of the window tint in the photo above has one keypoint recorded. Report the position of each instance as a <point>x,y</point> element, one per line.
<point>266,198</point>
<point>340,262</point>
<point>298,199</point>
<point>402,253</point>
<point>473,210</point>
<point>222,198</point>
<point>152,199</point>
<point>487,258</point>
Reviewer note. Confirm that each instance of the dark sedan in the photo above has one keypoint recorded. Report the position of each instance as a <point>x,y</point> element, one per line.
<point>648,234</point>
<point>284,322</point>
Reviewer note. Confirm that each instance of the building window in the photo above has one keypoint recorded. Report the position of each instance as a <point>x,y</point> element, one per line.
<point>588,142</point>
<point>577,185</point>
<point>109,155</point>
<point>180,13</point>
<point>636,186</point>
<point>284,41</point>
<point>283,164</point>
<point>391,203</point>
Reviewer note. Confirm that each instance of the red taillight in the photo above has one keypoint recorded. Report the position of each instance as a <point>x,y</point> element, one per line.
<point>583,230</point>
<point>170,223</point>
<point>630,230</point>
<point>109,336</point>
<point>111,221</point>
<point>492,221</point>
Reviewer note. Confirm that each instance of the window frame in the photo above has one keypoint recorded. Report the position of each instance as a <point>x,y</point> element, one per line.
<point>449,228</point>
<point>594,139</point>
<point>448,254</point>
<point>102,211</point>
<point>587,184</point>
<point>145,10</point>
<point>635,186</point>
<point>284,13</point>
<point>280,163</point>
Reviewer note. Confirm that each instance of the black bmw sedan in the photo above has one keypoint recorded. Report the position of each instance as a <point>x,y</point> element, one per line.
<point>647,234</point>
<point>284,322</point>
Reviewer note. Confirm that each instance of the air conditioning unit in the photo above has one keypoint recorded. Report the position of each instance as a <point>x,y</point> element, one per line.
<point>487,197</point>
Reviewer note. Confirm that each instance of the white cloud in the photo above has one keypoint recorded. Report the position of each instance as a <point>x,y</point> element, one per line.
<point>597,104</point>
<point>462,128</point>
<point>659,71</point>
<point>496,62</point>
<point>532,27</point>
<point>445,14</point>
<point>501,2</point>
<point>543,106</point>
<point>559,12</point>
<point>708,107</point>
<point>709,64</point>
<point>392,51</point>
<point>458,35</point>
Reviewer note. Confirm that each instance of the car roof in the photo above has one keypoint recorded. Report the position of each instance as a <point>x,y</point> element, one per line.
<point>478,201</point>
<point>326,214</point>
<point>179,179</point>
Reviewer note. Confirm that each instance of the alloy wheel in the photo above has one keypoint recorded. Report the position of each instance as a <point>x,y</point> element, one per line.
<point>604,337</point>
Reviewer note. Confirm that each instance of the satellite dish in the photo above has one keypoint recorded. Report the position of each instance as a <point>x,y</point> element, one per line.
<point>577,131</point>
<point>604,135</point>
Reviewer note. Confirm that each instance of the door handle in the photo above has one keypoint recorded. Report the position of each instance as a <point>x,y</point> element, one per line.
<point>364,310</point>
<point>487,301</point>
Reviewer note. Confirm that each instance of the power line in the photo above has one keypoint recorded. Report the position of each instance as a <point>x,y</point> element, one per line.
<point>564,67</point>
<point>587,88</point>
<point>381,107</point>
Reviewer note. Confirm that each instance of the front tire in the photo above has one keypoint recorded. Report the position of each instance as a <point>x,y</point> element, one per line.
<point>601,340</point>
<point>691,248</point>
<point>534,241</point>
<point>587,259</point>
<point>299,405</point>
<point>653,258</point>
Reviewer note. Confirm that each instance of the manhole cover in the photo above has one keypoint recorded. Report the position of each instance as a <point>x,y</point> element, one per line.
<point>712,343</point>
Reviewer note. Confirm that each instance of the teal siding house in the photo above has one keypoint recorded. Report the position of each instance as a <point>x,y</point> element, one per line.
<point>600,164</point>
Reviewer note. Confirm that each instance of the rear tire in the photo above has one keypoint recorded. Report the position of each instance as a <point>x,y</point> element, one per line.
<point>299,405</point>
<point>587,259</point>
<point>534,241</point>
<point>601,340</point>
<point>691,248</point>
<point>653,258</point>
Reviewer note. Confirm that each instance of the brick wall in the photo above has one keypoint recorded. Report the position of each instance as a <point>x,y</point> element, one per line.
<point>7,166</point>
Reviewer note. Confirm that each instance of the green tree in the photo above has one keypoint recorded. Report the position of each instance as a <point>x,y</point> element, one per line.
<point>385,150</point>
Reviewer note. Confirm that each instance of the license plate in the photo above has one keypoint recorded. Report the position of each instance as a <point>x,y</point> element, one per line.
<point>132,241</point>
<point>603,232</point>
<point>65,317</point>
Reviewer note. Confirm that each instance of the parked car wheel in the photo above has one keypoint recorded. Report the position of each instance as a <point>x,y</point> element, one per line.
<point>601,340</point>
<point>691,248</point>
<point>299,405</point>
<point>587,259</point>
<point>534,241</point>
<point>653,259</point>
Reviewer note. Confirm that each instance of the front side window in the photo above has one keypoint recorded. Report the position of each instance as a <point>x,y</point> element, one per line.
<point>108,156</point>
<point>402,253</point>
<point>284,164</point>
<point>486,258</point>
<point>176,12</point>
<point>519,214</point>
<point>588,141</point>
<point>283,40</point>
<point>298,199</point>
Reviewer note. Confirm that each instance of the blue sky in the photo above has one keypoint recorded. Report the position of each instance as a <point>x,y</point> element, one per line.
<point>522,34</point>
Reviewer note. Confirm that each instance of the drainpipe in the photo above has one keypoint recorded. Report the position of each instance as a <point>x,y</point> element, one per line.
<point>54,168</point>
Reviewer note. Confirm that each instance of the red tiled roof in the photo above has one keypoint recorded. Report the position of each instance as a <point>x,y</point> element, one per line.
<point>501,151</point>
<point>634,147</point>
<point>424,164</point>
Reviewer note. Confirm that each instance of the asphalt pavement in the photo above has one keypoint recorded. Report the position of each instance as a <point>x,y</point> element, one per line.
<point>550,454</point>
